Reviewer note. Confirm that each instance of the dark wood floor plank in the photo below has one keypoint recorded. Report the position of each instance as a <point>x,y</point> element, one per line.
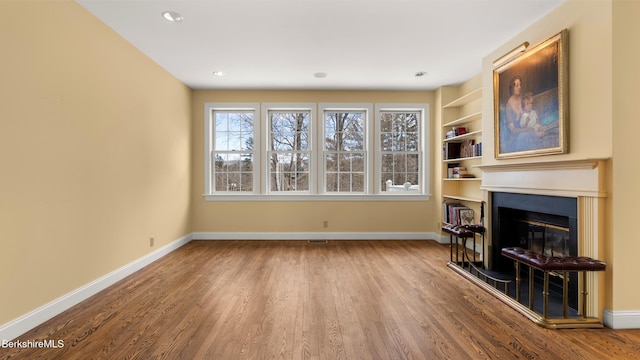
<point>295,300</point>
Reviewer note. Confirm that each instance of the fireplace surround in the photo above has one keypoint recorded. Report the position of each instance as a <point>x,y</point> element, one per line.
<point>579,187</point>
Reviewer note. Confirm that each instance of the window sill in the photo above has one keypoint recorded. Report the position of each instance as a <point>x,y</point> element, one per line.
<point>292,197</point>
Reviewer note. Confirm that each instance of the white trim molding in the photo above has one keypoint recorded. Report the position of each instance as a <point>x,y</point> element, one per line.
<point>623,319</point>
<point>318,236</point>
<point>570,178</point>
<point>24,323</point>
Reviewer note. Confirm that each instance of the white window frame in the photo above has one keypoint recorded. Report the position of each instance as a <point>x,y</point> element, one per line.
<point>209,147</point>
<point>367,108</point>
<point>293,107</point>
<point>424,173</point>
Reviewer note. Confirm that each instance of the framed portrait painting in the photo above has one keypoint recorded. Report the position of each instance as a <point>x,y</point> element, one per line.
<point>531,101</point>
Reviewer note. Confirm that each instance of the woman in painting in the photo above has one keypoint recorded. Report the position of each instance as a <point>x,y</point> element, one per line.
<point>512,113</point>
<point>521,137</point>
<point>513,110</point>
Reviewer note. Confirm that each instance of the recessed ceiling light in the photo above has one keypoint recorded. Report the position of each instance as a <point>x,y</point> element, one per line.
<point>218,73</point>
<point>420,74</point>
<point>320,75</point>
<point>172,16</point>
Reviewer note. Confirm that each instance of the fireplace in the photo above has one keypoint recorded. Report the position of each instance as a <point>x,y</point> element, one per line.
<point>545,224</point>
<point>534,222</point>
<point>518,192</point>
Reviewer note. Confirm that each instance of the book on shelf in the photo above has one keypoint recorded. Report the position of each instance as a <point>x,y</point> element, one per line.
<point>451,150</point>
<point>457,214</point>
<point>467,148</point>
<point>447,211</point>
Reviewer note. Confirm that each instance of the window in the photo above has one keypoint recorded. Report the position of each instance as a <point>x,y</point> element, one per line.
<point>316,151</point>
<point>289,154</point>
<point>231,151</point>
<point>345,149</point>
<point>401,149</point>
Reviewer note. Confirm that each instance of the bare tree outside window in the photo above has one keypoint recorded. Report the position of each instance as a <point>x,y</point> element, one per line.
<point>400,147</point>
<point>344,155</point>
<point>232,153</point>
<point>289,151</point>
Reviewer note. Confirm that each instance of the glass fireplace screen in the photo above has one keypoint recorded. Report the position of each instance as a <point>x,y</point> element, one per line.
<point>545,239</point>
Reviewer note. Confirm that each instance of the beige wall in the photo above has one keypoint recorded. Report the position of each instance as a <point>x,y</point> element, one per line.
<point>95,153</point>
<point>301,216</point>
<point>590,70</point>
<point>625,247</point>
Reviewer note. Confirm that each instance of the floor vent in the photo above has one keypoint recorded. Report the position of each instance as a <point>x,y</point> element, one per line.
<point>318,241</point>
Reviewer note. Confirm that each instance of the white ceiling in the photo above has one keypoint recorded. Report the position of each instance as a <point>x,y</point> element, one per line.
<point>359,44</point>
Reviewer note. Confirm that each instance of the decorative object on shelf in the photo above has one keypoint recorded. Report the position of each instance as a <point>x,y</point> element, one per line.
<point>456,131</point>
<point>466,217</point>
<point>531,101</point>
<point>450,168</point>
<point>459,130</point>
<point>458,171</point>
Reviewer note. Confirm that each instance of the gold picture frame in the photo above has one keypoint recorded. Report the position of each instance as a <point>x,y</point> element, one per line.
<point>530,95</point>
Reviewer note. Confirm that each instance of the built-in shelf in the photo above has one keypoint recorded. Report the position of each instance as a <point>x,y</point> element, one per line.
<point>465,111</point>
<point>462,159</point>
<point>465,119</point>
<point>463,136</point>
<point>467,98</point>
<point>461,198</point>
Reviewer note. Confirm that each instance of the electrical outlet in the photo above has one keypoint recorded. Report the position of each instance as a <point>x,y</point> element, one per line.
<point>325,224</point>
<point>151,242</point>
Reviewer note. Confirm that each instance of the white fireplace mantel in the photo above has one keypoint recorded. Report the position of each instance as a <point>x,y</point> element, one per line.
<point>572,178</point>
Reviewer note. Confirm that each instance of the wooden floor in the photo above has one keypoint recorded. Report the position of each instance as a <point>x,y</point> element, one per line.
<point>294,300</point>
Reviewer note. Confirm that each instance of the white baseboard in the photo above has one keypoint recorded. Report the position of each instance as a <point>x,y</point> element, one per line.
<point>19,326</point>
<point>621,319</point>
<point>317,236</point>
